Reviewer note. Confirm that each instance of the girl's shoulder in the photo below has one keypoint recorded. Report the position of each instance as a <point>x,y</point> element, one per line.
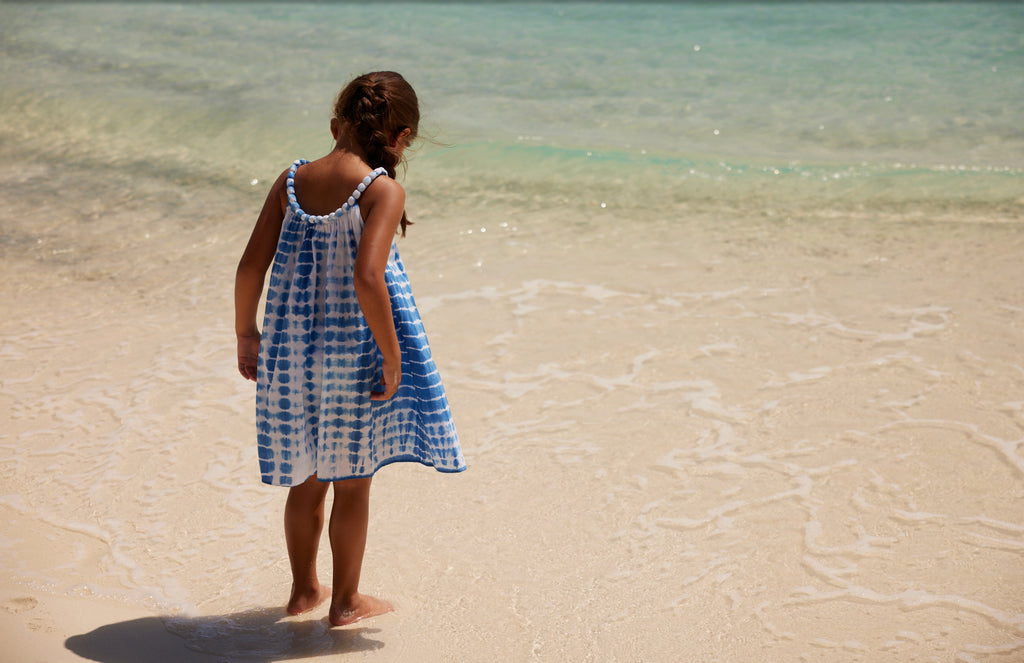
<point>384,185</point>
<point>383,189</point>
<point>279,190</point>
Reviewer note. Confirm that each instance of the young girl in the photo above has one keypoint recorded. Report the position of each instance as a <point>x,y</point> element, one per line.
<point>345,380</point>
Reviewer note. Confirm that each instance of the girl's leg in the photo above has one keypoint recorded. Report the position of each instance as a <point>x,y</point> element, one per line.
<point>349,518</point>
<point>303,523</point>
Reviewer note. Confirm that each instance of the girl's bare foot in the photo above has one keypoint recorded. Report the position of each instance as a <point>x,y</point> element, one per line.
<point>307,599</point>
<point>362,606</point>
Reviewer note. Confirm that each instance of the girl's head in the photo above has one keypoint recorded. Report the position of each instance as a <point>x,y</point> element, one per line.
<point>381,112</point>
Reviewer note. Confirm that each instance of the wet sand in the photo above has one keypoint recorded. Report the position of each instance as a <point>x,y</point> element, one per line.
<point>690,436</point>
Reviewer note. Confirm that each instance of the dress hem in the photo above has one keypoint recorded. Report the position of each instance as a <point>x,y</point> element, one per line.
<point>397,459</point>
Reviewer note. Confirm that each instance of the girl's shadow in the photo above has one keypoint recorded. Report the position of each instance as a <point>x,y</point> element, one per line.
<point>254,636</point>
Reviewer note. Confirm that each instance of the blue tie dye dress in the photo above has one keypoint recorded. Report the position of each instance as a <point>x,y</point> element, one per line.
<point>318,362</point>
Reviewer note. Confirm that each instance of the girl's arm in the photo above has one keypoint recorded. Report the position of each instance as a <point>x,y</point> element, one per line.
<point>384,203</point>
<point>252,270</point>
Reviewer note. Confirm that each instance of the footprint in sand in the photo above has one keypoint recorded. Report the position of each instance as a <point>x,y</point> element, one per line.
<point>20,604</point>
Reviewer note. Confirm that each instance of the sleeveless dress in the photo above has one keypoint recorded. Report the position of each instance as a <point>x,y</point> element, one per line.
<point>318,361</point>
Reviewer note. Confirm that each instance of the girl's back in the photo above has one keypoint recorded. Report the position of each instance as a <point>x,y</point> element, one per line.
<point>324,185</point>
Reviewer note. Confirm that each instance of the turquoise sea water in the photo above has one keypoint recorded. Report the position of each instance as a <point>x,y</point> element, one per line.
<point>747,104</point>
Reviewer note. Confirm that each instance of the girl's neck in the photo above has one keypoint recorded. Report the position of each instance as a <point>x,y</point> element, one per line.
<point>346,144</point>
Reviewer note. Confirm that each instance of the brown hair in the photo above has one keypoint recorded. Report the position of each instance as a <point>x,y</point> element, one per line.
<point>377,107</point>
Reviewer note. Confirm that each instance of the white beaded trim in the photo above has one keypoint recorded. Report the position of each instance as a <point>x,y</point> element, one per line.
<point>293,202</point>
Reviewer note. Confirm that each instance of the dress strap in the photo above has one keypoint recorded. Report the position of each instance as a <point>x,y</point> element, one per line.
<point>377,172</point>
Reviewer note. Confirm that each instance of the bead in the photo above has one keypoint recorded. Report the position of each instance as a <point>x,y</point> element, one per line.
<point>361,187</point>
<point>367,180</point>
<point>351,201</point>
<point>356,194</point>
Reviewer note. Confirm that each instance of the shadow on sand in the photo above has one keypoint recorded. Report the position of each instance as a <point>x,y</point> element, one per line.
<point>255,636</point>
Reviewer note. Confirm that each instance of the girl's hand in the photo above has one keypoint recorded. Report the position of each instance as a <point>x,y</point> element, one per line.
<point>248,353</point>
<point>391,377</point>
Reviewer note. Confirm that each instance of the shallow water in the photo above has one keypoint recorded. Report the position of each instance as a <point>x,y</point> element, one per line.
<point>711,411</point>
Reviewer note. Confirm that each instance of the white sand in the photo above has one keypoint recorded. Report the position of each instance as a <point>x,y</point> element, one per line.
<point>711,439</point>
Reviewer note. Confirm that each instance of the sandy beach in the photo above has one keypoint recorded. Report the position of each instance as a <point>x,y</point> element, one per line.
<point>715,439</point>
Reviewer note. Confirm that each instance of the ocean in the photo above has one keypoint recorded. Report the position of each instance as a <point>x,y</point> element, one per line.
<point>725,297</point>
<point>805,103</point>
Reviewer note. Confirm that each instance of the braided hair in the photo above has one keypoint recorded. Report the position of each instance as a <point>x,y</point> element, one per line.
<point>377,107</point>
